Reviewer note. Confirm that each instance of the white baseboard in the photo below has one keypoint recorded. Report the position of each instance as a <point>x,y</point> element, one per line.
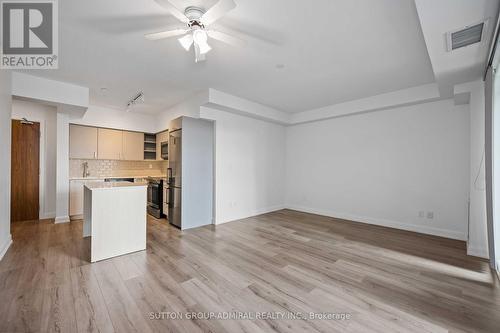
<point>477,251</point>
<point>5,247</point>
<point>384,223</point>
<point>253,213</point>
<point>50,215</point>
<point>62,219</point>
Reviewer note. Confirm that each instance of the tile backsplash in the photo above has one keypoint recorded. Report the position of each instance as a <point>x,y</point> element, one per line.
<point>113,168</point>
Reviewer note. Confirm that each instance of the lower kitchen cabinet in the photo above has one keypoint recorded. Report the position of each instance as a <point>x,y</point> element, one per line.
<point>76,197</point>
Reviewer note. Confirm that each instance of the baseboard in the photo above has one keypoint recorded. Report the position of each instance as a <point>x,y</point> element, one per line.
<point>477,251</point>
<point>62,219</point>
<point>253,213</point>
<point>5,247</point>
<point>384,223</point>
<point>50,215</point>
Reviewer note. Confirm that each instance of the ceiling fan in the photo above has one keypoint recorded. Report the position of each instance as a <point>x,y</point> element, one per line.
<point>196,31</point>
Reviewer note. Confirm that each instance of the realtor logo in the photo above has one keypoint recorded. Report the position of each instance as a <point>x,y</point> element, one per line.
<point>29,34</point>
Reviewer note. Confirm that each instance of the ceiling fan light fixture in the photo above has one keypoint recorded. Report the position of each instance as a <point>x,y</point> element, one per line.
<point>186,41</point>
<point>200,36</point>
<point>204,48</point>
<point>196,20</point>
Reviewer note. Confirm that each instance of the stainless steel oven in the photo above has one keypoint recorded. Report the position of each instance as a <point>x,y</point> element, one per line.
<point>155,197</point>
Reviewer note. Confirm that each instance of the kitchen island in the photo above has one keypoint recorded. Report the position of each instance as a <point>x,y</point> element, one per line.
<point>115,218</point>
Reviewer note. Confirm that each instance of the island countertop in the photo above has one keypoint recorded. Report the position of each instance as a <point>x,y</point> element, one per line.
<point>111,185</point>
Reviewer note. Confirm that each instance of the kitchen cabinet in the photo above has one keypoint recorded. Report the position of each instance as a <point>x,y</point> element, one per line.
<point>109,144</point>
<point>160,137</point>
<point>133,146</point>
<point>82,142</point>
<point>76,197</point>
<point>150,147</point>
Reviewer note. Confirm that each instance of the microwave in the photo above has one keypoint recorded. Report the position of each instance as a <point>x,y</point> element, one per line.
<point>164,150</point>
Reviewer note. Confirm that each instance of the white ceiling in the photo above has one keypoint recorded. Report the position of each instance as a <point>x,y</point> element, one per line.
<point>333,51</point>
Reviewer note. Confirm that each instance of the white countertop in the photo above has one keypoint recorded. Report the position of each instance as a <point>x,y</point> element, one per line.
<point>112,185</point>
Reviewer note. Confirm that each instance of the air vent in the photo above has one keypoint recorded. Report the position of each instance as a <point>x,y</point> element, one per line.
<point>465,37</point>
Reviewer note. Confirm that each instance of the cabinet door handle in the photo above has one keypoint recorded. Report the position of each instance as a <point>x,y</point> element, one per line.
<point>95,157</point>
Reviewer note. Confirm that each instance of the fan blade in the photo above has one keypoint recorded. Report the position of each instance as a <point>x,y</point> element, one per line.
<point>226,38</point>
<point>217,11</point>
<point>198,56</point>
<point>166,34</point>
<point>173,10</point>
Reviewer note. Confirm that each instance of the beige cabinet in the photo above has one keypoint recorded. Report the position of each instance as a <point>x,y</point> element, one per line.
<point>76,197</point>
<point>82,142</point>
<point>105,144</point>
<point>160,137</point>
<point>109,144</point>
<point>133,146</point>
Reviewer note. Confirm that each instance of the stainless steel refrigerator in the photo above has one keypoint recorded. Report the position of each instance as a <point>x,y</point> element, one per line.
<point>174,177</point>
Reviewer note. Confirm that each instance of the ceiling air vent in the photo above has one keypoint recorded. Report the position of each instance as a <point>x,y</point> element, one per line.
<point>465,37</point>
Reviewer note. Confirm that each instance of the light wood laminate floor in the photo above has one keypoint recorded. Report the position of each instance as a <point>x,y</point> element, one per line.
<point>283,262</point>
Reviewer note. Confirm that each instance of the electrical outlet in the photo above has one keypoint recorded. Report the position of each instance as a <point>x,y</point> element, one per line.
<point>421,214</point>
<point>430,215</point>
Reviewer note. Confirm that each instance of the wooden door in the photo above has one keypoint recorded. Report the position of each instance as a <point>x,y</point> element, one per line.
<point>25,171</point>
<point>133,146</point>
<point>82,142</point>
<point>109,144</point>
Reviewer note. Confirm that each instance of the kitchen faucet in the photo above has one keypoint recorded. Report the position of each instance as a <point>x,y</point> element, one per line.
<point>86,172</point>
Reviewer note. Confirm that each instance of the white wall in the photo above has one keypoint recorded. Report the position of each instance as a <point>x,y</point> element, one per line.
<point>249,167</point>
<point>5,140</point>
<point>46,116</point>
<point>118,119</point>
<point>197,172</point>
<point>496,166</point>
<point>62,169</point>
<point>189,108</point>
<point>385,167</point>
<point>222,101</point>
<point>477,244</point>
<point>37,88</point>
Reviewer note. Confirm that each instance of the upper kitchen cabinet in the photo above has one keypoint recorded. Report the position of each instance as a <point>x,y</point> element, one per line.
<point>82,142</point>
<point>133,146</point>
<point>149,146</point>
<point>110,144</point>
